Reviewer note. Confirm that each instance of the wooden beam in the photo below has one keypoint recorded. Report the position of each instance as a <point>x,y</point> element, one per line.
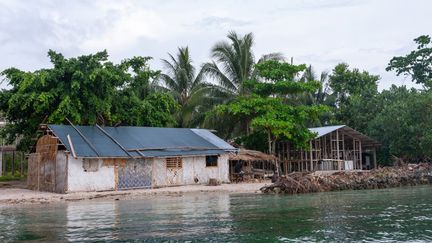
<point>360,155</point>
<point>374,158</point>
<point>337,149</point>
<point>71,146</point>
<point>83,137</point>
<point>311,155</point>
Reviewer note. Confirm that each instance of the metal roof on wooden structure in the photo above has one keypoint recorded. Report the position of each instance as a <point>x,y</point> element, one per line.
<point>366,140</point>
<point>125,141</point>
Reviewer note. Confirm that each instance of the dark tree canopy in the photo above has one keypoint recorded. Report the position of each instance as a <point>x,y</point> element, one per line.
<point>87,90</point>
<point>417,64</point>
<point>354,91</point>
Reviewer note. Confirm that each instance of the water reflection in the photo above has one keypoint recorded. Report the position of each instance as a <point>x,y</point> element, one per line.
<point>97,218</point>
<point>379,215</point>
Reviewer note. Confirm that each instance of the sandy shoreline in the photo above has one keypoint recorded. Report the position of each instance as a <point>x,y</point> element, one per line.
<point>9,196</point>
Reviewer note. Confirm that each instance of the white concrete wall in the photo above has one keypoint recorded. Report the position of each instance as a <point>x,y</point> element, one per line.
<point>193,167</point>
<point>104,178</point>
<point>159,172</point>
<point>79,180</point>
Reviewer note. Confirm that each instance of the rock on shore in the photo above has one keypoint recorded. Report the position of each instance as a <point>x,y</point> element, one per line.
<point>301,182</point>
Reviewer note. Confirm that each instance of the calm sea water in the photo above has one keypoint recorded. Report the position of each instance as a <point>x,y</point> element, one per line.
<point>401,214</point>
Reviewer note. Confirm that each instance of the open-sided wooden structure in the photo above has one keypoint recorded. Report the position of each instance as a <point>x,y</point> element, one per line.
<point>250,164</point>
<point>334,148</point>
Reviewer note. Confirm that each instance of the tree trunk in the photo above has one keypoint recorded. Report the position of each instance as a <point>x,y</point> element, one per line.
<point>272,150</point>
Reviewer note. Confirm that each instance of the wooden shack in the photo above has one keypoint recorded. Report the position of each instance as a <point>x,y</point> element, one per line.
<point>72,158</point>
<point>334,148</point>
<point>250,164</point>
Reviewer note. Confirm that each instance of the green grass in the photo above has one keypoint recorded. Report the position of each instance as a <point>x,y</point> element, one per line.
<point>10,178</point>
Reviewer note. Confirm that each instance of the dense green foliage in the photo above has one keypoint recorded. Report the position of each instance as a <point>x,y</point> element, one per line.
<point>234,62</point>
<point>86,90</point>
<point>353,91</point>
<point>194,95</point>
<point>399,118</point>
<point>417,64</point>
<point>267,108</point>
<point>255,102</point>
<point>402,123</point>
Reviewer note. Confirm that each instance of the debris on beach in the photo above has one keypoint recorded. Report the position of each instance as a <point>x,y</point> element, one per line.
<point>305,182</point>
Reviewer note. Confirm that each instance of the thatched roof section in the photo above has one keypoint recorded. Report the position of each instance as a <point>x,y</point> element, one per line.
<point>251,155</point>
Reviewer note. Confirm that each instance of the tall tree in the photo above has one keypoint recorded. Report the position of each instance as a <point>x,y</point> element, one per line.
<point>193,94</point>
<point>323,92</point>
<point>402,123</point>
<point>268,107</point>
<point>322,96</point>
<point>417,64</point>
<point>234,62</point>
<point>354,91</point>
<point>87,90</point>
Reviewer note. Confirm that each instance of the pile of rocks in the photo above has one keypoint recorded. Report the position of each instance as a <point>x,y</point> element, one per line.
<point>411,174</point>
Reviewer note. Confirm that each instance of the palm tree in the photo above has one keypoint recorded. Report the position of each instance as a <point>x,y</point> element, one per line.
<point>234,62</point>
<point>320,96</point>
<point>189,88</point>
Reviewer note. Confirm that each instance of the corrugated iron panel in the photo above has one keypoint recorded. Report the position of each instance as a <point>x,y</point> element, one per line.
<point>212,138</point>
<point>321,131</point>
<point>150,141</point>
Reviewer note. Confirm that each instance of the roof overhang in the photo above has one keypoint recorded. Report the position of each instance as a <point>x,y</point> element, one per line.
<point>365,140</point>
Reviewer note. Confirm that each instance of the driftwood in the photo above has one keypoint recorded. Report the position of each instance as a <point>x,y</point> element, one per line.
<point>386,177</point>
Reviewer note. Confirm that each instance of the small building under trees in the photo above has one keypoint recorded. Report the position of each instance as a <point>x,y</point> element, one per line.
<point>72,158</point>
<point>334,148</point>
<point>250,164</point>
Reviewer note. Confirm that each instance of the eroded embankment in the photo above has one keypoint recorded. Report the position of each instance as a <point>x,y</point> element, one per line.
<point>374,179</point>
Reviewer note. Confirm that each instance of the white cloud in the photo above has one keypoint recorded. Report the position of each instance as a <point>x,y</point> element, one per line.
<point>365,34</point>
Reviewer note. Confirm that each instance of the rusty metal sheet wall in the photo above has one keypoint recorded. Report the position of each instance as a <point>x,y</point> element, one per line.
<point>44,172</point>
<point>32,173</point>
<point>135,173</point>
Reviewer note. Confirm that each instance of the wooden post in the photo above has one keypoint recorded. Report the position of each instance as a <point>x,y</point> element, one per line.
<point>337,148</point>
<point>21,163</point>
<point>13,163</point>
<point>360,155</point>
<point>1,162</point>
<point>374,158</point>
<point>38,172</point>
<point>301,160</point>
<point>311,155</point>
<point>343,147</point>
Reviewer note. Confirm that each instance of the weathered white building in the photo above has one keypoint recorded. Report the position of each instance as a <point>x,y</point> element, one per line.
<point>93,158</point>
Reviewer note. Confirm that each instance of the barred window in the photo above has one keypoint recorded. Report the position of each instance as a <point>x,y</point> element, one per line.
<point>174,162</point>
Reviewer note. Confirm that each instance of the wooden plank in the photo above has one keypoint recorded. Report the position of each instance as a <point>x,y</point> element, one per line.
<point>71,146</point>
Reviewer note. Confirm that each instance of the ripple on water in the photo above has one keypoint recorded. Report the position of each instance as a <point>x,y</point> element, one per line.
<point>400,214</point>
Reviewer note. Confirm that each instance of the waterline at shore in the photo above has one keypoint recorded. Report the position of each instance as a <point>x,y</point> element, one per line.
<point>25,196</point>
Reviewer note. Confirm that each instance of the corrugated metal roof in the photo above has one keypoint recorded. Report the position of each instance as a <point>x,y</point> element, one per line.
<point>215,140</point>
<point>139,141</point>
<point>366,140</point>
<point>321,131</point>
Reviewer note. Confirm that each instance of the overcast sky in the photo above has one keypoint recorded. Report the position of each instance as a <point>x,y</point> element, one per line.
<point>366,34</point>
